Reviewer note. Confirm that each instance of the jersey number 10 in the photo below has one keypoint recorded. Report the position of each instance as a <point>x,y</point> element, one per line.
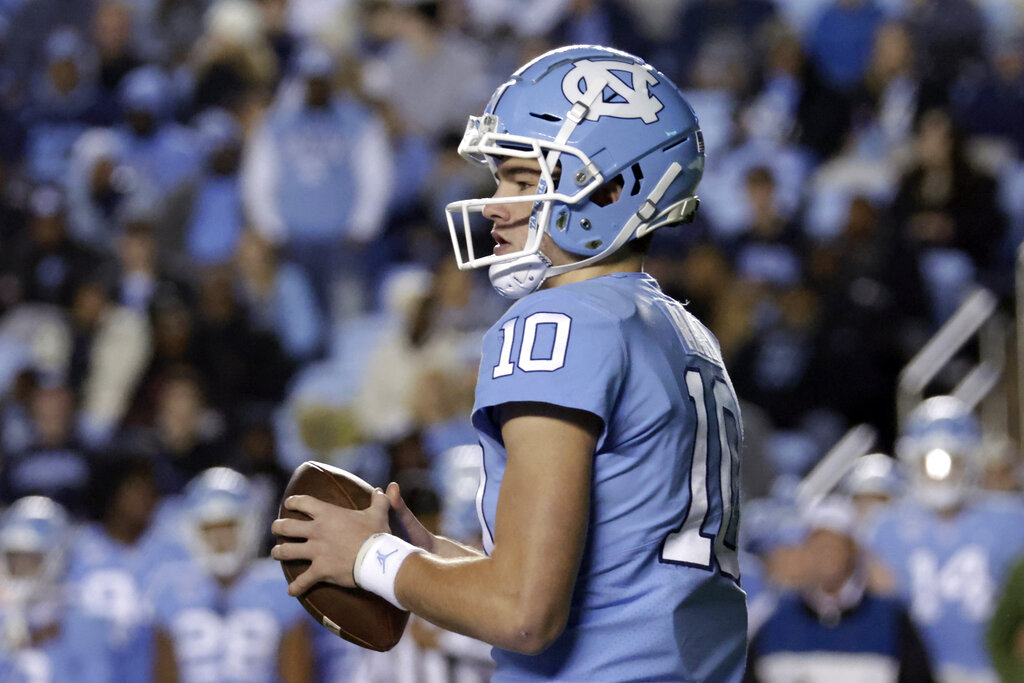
<point>713,448</point>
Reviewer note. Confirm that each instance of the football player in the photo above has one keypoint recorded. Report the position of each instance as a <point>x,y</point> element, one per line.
<point>110,558</point>
<point>609,426</point>
<point>223,614</point>
<point>44,637</point>
<point>948,545</point>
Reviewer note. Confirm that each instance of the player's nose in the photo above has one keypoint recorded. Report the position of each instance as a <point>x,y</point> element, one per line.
<point>496,212</point>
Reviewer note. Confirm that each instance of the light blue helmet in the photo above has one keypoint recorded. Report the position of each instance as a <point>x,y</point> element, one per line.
<point>222,496</point>
<point>33,526</point>
<point>587,115</point>
<point>940,447</point>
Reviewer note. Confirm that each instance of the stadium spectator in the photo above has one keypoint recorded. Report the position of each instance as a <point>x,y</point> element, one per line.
<point>111,347</point>
<point>401,77</point>
<point>840,40</point>
<point>44,264</point>
<point>162,151</point>
<point>232,64</point>
<point>948,35</point>
<point>141,278</point>
<point>115,44</point>
<point>217,216</point>
<point>63,100</point>
<point>989,100</point>
<point>278,298</point>
<point>185,437</point>
<point>102,190</point>
<point>53,462</point>
<point>946,212</point>
<point>710,19</point>
<point>167,29</point>
<point>315,141</point>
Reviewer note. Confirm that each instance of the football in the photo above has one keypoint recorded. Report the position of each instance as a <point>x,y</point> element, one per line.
<point>354,614</point>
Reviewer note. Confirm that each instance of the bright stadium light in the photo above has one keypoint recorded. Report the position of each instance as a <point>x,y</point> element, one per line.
<point>938,464</point>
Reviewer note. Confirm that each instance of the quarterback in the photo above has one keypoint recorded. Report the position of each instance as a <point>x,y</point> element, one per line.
<point>609,490</point>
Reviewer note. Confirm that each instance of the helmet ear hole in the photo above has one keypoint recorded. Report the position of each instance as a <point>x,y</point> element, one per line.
<point>609,192</point>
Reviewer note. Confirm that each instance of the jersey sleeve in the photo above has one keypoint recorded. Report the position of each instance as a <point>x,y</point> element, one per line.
<point>553,348</point>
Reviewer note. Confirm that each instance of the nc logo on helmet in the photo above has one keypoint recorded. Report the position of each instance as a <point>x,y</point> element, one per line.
<point>607,94</point>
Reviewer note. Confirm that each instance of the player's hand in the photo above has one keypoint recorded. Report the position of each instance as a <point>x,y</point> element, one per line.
<point>418,534</point>
<point>333,538</point>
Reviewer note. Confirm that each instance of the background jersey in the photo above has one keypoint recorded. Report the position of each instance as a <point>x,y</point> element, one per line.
<point>949,571</point>
<point>657,596</point>
<point>78,653</point>
<point>223,635</point>
<point>105,579</point>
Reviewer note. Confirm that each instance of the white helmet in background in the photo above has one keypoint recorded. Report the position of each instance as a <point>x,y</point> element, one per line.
<point>940,449</point>
<point>222,521</point>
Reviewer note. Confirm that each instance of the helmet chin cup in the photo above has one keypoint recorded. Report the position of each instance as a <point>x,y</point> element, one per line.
<point>515,279</point>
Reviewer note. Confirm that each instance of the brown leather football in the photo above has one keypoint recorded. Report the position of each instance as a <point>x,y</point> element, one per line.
<point>354,614</point>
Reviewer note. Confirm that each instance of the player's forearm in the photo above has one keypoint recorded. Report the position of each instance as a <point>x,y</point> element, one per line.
<point>449,549</point>
<point>473,596</point>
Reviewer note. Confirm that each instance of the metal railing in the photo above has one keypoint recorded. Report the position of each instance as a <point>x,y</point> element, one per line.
<point>833,467</point>
<point>977,318</point>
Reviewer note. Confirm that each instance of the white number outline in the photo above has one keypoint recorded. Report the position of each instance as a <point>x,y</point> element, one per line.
<point>689,544</point>
<point>526,362</point>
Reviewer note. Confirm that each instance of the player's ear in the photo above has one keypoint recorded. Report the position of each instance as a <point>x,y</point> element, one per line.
<point>609,192</point>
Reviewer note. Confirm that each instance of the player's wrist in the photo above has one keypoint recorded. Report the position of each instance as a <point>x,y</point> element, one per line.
<point>378,562</point>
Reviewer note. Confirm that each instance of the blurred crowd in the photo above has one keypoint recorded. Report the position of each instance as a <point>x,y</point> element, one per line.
<point>223,244</point>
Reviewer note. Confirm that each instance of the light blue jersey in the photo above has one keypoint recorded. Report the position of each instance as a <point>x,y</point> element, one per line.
<point>949,571</point>
<point>657,596</point>
<point>224,635</point>
<point>78,653</point>
<point>105,579</point>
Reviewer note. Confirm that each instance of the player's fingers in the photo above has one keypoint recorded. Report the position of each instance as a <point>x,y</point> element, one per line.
<point>290,551</point>
<point>306,504</point>
<point>304,581</point>
<point>378,500</point>
<point>298,528</point>
<point>394,494</point>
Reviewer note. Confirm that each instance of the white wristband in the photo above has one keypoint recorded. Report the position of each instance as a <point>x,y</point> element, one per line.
<point>377,564</point>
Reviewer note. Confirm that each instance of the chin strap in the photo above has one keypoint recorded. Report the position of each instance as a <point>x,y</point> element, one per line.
<point>515,279</point>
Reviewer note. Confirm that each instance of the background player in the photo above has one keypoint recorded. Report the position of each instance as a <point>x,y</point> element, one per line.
<point>609,425</point>
<point>111,558</point>
<point>45,637</point>
<point>223,615</point>
<point>948,545</point>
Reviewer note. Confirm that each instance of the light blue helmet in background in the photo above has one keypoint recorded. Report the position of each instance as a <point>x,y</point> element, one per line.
<point>587,115</point>
<point>33,526</point>
<point>222,496</point>
<point>940,447</point>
